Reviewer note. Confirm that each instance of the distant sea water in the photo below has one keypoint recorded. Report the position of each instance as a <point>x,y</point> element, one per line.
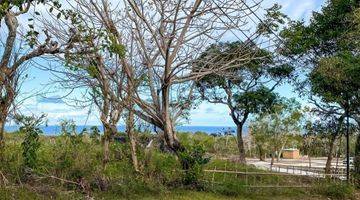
<point>55,130</point>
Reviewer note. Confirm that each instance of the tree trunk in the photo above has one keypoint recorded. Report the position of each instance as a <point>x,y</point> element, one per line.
<point>109,131</point>
<point>281,150</point>
<point>240,144</point>
<point>3,116</point>
<point>309,157</point>
<point>2,135</point>
<point>272,158</point>
<point>330,156</point>
<point>261,153</point>
<point>130,133</point>
<point>106,157</point>
<point>168,128</point>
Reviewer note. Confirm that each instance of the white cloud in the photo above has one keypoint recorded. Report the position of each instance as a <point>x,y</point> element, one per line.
<point>58,111</point>
<point>296,9</point>
<point>210,115</point>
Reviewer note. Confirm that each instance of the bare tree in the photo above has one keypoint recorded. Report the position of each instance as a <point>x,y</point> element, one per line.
<point>168,36</point>
<point>99,70</point>
<point>19,48</point>
<point>165,37</point>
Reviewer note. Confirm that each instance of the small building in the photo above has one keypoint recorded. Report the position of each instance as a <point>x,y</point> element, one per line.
<point>291,154</point>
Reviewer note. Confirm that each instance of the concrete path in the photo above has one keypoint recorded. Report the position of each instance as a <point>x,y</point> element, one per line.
<point>299,167</point>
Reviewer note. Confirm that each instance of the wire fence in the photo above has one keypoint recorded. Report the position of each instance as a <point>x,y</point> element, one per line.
<point>276,177</point>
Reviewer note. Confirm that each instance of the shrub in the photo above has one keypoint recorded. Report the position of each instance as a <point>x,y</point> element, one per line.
<point>162,168</point>
<point>193,160</point>
<point>30,145</point>
<point>335,190</point>
<point>95,133</point>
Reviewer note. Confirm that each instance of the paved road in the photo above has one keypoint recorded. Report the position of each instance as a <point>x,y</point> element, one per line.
<point>298,166</point>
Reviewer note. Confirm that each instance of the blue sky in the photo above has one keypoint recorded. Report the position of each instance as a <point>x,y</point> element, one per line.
<point>205,115</point>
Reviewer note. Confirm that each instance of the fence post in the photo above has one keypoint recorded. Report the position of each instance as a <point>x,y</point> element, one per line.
<point>236,170</point>
<point>213,177</point>
<point>224,173</point>
<point>246,177</point>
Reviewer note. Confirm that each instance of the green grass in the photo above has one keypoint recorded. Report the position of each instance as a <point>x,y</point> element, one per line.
<point>160,178</point>
<point>26,193</point>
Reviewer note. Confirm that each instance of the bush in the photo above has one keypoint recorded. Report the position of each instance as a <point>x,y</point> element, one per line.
<point>12,162</point>
<point>162,168</point>
<point>73,161</point>
<point>29,126</point>
<point>193,161</point>
<point>335,190</point>
<point>30,145</point>
<point>95,133</point>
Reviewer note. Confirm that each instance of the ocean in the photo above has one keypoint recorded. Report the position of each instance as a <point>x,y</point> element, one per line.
<point>55,130</point>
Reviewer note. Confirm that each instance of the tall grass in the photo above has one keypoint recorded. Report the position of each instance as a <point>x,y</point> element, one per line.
<point>79,159</point>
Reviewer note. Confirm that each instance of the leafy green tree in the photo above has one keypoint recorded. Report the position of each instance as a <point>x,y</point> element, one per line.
<point>325,35</point>
<point>246,88</point>
<point>278,126</point>
<point>243,88</point>
<point>328,45</point>
<point>312,143</point>
<point>260,135</point>
<point>329,128</point>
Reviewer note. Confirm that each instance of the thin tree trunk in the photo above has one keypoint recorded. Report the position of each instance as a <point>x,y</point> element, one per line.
<point>240,144</point>
<point>330,156</point>
<point>281,150</point>
<point>261,154</point>
<point>106,155</point>
<point>309,157</point>
<point>109,131</point>
<point>106,158</point>
<point>2,138</point>
<point>5,104</point>
<point>272,159</point>
<point>130,133</point>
